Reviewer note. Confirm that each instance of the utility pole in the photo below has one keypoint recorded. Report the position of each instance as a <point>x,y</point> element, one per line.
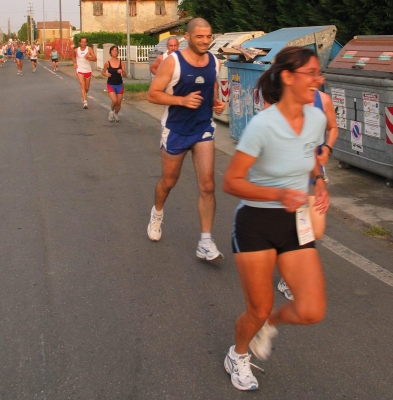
<point>9,27</point>
<point>61,29</point>
<point>44,32</point>
<point>128,38</point>
<point>31,24</point>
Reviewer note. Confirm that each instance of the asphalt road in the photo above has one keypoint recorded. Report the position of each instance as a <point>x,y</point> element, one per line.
<point>91,309</point>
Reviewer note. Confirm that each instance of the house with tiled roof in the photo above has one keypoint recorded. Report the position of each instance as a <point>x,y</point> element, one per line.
<point>50,30</point>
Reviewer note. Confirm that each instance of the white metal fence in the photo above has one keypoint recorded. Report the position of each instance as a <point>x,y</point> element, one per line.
<point>137,54</point>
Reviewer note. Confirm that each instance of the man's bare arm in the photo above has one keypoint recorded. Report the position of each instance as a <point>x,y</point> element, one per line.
<point>157,62</point>
<point>157,94</point>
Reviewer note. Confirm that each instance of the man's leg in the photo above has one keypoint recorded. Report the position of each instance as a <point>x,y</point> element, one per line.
<point>81,80</point>
<point>203,158</point>
<point>87,85</point>
<point>171,167</point>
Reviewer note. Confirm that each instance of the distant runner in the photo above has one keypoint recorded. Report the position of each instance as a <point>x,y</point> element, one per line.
<point>82,56</point>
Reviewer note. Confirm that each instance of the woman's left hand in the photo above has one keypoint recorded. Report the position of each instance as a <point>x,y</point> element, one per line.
<point>119,71</point>
<point>322,197</point>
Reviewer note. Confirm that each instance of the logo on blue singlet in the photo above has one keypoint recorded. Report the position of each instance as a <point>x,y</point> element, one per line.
<point>200,79</point>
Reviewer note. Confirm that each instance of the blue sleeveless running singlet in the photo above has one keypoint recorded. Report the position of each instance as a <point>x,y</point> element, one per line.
<point>187,121</point>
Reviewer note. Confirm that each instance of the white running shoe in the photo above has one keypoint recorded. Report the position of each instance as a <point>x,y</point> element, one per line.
<point>111,117</point>
<point>207,250</point>
<point>283,288</point>
<point>85,104</point>
<point>261,343</point>
<point>154,228</point>
<point>240,370</point>
<point>116,117</point>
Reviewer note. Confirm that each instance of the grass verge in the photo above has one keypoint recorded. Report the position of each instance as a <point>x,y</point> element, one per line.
<point>377,231</point>
<point>135,91</point>
<point>136,87</point>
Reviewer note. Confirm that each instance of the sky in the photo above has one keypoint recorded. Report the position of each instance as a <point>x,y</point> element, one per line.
<point>17,11</point>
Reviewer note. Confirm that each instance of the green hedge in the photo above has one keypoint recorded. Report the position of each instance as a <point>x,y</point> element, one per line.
<point>118,38</point>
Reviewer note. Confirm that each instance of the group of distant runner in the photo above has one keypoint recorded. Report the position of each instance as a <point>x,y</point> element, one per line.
<point>17,52</point>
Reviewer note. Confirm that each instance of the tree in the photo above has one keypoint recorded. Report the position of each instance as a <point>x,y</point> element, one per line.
<point>24,32</point>
<point>351,17</point>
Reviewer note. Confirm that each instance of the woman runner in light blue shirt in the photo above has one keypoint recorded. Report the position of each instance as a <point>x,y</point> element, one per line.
<point>270,170</point>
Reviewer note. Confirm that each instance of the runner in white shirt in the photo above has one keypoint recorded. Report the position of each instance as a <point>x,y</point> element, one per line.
<point>33,54</point>
<point>82,56</point>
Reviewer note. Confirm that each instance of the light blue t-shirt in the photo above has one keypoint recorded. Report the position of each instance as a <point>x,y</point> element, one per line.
<point>284,159</point>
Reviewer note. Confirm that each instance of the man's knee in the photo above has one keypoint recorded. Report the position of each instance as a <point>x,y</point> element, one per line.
<point>168,182</point>
<point>207,187</point>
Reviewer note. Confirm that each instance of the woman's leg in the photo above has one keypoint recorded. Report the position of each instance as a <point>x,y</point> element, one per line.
<point>302,270</point>
<point>256,277</point>
<point>119,98</point>
<point>113,97</point>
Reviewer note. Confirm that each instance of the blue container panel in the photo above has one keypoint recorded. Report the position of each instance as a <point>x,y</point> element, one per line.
<point>245,100</point>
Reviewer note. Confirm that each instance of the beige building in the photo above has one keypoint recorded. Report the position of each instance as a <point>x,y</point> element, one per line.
<point>110,15</point>
<point>52,30</point>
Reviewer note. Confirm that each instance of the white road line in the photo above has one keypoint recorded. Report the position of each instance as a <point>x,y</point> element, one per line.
<point>357,260</point>
<point>52,72</point>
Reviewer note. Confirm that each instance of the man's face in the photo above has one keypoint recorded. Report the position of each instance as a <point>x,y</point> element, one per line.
<point>83,43</point>
<point>199,41</point>
<point>172,45</point>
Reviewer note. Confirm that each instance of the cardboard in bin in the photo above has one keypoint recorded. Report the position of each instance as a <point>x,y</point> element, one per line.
<point>249,53</point>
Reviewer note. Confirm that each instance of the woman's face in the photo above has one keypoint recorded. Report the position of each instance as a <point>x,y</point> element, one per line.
<point>114,52</point>
<point>306,80</point>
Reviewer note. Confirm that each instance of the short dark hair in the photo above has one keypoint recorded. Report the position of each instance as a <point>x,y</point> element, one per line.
<point>83,37</point>
<point>197,22</point>
<point>290,58</point>
<point>113,47</point>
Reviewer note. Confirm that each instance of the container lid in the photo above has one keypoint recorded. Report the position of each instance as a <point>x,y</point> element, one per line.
<point>365,53</point>
<point>319,38</point>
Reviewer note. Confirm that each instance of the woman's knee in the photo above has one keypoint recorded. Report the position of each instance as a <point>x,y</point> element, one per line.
<point>260,313</point>
<point>309,315</point>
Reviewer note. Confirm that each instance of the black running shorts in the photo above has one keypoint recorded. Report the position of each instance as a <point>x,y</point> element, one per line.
<point>257,229</point>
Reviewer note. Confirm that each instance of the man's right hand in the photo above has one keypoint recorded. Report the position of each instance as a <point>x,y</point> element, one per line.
<point>192,100</point>
<point>75,66</point>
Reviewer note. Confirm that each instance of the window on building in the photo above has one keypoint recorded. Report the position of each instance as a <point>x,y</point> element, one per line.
<point>160,8</point>
<point>98,8</point>
<point>53,33</point>
<point>132,8</point>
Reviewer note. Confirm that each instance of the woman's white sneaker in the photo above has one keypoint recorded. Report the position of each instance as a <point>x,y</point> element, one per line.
<point>240,370</point>
<point>283,288</point>
<point>261,343</point>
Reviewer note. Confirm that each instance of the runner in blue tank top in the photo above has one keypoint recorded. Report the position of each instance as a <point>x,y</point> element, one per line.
<point>186,83</point>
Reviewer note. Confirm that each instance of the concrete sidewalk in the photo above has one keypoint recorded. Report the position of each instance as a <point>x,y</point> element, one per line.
<point>354,192</point>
